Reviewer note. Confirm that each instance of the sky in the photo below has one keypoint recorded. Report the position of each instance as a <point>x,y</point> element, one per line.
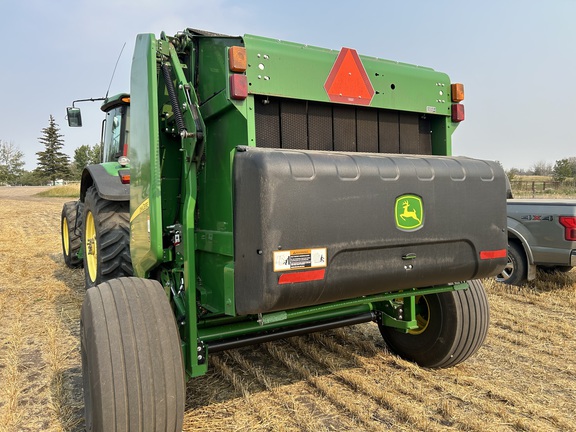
<point>516,59</point>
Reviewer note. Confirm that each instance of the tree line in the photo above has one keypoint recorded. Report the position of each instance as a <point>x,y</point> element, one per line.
<point>562,170</point>
<point>52,163</point>
<point>55,165</point>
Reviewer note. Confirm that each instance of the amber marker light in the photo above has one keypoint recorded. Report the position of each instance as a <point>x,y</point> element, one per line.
<point>124,176</point>
<point>237,58</point>
<point>457,92</point>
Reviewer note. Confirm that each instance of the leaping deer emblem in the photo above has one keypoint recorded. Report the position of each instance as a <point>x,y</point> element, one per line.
<point>411,214</point>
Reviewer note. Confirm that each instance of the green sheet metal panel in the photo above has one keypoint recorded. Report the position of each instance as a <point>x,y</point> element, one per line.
<point>145,202</point>
<point>279,68</point>
<point>227,122</point>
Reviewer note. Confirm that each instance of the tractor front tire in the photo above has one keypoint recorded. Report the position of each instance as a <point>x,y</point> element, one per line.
<point>70,233</point>
<point>131,358</point>
<point>106,238</point>
<point>452,326</point>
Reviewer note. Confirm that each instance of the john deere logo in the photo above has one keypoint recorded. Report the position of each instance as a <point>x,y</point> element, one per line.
<point>409,212</point>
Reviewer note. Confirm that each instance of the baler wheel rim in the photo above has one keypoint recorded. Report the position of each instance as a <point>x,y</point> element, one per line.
<point>422,315</point>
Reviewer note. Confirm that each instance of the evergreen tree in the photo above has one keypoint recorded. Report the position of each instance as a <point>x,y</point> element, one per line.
<point>52,162</point>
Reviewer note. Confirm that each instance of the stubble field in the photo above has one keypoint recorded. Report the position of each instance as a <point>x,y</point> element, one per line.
<point>523,378</point>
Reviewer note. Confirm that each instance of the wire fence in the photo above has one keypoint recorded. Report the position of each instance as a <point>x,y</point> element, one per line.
<point>540,189</point>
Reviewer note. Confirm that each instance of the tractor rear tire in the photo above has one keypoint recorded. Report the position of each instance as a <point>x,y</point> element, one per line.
<point>452,326</point>
<point>131,358</point>
<point>70,234</point>
<point>106,238</point>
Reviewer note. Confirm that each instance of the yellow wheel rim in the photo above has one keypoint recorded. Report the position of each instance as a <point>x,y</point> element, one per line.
<point>91,247</point>
<point>422,315</point>
<point>65,237</point>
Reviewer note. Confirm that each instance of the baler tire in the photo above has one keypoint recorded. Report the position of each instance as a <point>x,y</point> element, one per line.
<point>106,238</point>
<point>516,270</point>
<point>71,237</point>
<point>453,326</point>
<point>132,364</point>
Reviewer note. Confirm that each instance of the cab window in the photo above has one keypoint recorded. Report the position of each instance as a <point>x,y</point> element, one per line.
<point>115,135</point>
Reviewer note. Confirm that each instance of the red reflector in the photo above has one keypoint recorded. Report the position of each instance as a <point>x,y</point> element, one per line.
<point>238,86</point>
<point>306,276</point>
<point>486,255</point>
<point>569,224</point>
<point>457,113</point>
<point>125,179</point>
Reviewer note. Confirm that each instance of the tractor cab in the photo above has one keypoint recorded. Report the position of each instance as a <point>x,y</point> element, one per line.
<point>115,127</point>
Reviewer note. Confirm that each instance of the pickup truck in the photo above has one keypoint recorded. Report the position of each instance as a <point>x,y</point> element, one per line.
<point>541,234</point>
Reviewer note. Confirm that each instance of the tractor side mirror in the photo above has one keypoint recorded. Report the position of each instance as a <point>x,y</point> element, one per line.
<point>74,117</point>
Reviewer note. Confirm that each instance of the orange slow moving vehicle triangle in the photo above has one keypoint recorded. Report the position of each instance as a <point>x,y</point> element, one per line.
<point>348,81</point>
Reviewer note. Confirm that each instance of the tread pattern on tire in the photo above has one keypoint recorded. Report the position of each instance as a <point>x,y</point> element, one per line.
<point>456,335</point>
<point>475,322</point>
<point>132,360</point>
<point>112,223</point>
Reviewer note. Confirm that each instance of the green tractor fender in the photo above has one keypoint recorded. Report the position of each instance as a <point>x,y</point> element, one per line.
<point>106,178</point>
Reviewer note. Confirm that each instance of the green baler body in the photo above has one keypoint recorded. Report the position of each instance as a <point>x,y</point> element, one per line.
<point>183,208</point>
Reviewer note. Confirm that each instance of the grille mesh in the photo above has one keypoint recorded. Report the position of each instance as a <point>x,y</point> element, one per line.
<point>304,125</point>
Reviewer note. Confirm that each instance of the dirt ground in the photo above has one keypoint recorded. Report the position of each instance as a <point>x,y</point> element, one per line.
<point>522,379</point>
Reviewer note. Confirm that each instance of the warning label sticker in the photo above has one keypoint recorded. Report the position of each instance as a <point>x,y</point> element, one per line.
<point>296,259</point>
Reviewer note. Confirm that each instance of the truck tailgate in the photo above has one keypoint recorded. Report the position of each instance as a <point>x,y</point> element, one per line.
<point>316,227</point>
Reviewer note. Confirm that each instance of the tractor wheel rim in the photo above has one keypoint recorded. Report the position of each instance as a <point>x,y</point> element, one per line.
<point>91,247</point>
<point>65,237</point>
<point>422,315</point>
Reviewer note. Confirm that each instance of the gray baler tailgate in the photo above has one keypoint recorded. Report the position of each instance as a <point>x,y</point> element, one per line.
<point>316,227</point>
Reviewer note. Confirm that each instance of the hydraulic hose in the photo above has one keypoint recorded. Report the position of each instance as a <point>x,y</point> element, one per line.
<point>173,98</point>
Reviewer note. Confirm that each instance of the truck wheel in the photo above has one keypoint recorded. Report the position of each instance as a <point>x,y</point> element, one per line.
<point>131,358</point>
<point>106,238</point>
<point>515,272</point>
<point>451,327</point>
<point>71,238</point>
